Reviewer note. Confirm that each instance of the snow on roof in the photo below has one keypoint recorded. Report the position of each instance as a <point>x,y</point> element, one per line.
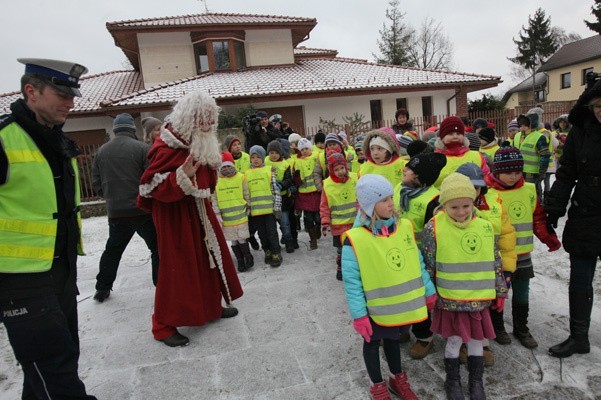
<point>302,50</point>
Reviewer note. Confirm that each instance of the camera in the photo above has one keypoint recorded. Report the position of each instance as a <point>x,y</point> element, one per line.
<point>249,122</point>
<point>592,78</point>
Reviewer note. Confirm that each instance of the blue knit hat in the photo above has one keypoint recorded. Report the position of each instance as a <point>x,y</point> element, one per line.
<point>256,149</point>
<point>371,189</point>
<point>124,123</point>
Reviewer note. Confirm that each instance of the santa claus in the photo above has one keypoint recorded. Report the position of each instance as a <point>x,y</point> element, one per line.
<point>195,269</point>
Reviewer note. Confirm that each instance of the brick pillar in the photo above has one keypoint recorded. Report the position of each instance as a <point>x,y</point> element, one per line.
<point>461,102</point>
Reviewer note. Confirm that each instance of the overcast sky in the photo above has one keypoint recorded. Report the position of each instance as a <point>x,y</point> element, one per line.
<point>481,31</point>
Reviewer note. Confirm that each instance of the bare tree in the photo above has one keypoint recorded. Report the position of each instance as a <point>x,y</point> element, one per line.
<point>431,47</point>
<point>561,37</point>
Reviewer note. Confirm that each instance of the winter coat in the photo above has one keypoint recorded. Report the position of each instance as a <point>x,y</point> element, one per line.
<point>580,171</point>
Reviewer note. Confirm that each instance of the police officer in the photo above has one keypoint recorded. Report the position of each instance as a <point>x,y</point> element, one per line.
<point>40,235</point>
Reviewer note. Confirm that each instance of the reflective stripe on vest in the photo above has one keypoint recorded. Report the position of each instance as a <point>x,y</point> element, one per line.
<point>243,163</point>
<point>259,186</point>
<point>391,275</point>
<point>230,199</point>
<point>520,204</point>
<point>305,166</point>
<point>465,259</point>
<point>392,171</point>
<point>342,199</point>
<point>28,206</point>
<point>453,162</point>
<point>417,208</point>
<point>528,150</point>
<point>280,168</point>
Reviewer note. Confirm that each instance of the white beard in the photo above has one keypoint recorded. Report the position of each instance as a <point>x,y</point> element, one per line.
<point>205,147</point>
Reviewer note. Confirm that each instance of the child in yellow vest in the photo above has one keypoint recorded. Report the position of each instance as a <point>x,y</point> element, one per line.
<point>265,205</point>
<point>307,198</point>
<point>230,201</point>
<point>386,285</point>
<point>459,249</point>
<point>333,145</point>
<point>416,199</point>
<point>338,203</point>
<point>293,139</point>
<point>528,217</point>
<point>234,147</point>
<point>382,155</point>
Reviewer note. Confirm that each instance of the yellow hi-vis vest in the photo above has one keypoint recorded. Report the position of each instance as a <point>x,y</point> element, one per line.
<point>305,166</point>
<point>392,171</point>
<point>28,206</point>
<point>391,275</point>
<point>259,186</point>
<point>465,259</point>
<point>528,150</point>
<point>417,208</point>
<point>494,213</point>
<point>280,168</point>
<point>490,151</point>
<point>230,199</point>
<point>243,163</point>
<point>520,204</point>
<point>321,159</point>
<point>342,199</point>
<point>453,162</point>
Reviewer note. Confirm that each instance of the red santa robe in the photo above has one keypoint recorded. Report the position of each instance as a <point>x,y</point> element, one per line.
<point>190,285</point>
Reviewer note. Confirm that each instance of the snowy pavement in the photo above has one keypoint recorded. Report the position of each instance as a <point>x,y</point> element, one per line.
<point>293,338</point>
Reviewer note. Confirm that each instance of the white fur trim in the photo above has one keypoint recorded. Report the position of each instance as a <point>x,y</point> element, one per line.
<point>188,185</point>
<point>157,179</point>
<point>171,141</point>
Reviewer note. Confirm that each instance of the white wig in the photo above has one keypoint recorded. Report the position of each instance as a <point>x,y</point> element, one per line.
<point>189,110</point>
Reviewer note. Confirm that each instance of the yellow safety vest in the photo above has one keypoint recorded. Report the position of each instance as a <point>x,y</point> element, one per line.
<point>392,171</point>
<point>342,199</point>
<point>417,210</point>
<point>494,213</point>
<point>528,150</point>
<point>243,163</point>
<point>490,151</point>
<point>520,204</point>
<point>305,166</point>
<point>321,159</point>
<point>230,199</point>
<point>453,162</point>
<point>465,259</point>
<point>259,186</point>
<point>280,168</point>
<point>28,205</point>
<point>391,275</point>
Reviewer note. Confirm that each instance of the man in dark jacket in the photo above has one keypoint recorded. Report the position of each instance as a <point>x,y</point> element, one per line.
<point>263,132</point>
<point>580,171</point>
<point>116,173</point>
<point>40,235</point>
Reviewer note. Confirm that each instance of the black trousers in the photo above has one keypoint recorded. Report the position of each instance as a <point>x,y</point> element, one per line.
<point>268,231</point>
<point>42,331</point>
<point>120,233</point>
<point>371,356</point>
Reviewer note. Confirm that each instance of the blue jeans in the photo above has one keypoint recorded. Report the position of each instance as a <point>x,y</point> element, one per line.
<point>120,233</point>
<point>285,227</point>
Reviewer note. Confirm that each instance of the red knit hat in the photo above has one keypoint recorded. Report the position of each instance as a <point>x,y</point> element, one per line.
<point>450,125</point>
<point>334,160</point>
<point>227,159</point>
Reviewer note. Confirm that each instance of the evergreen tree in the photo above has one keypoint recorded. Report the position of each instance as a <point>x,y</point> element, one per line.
<point>488,102</point>
<point>596,11</point>
<point>535,44</point>
<point>395,39</point>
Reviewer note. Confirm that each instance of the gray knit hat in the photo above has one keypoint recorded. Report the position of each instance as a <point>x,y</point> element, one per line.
<point>372,188</point>
<point>124,123</point>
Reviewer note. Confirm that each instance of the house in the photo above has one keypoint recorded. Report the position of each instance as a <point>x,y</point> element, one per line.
<point>521,94</point>
<point>243,59</point>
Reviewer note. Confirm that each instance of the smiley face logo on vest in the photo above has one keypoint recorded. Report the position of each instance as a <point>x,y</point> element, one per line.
<point>344,194</point>
<point>471,243</point>
<point>517,210</point>
<point>395,259</point>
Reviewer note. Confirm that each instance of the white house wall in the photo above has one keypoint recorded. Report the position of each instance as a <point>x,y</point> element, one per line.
<point>268,47</point>
<point>166,57</point>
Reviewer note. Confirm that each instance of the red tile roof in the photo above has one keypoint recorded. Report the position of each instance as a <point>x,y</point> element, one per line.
<point>301,51</point>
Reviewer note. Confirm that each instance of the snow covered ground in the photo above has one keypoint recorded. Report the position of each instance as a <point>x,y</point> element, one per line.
<point>293,338</point>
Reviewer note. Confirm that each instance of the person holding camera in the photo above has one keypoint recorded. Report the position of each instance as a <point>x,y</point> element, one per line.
<point>578,181</point>
<point>262,132</point>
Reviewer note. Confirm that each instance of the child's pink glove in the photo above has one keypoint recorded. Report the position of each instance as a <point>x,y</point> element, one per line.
<point>431,302</point>
<point>324,229</point>
<point>363,327</point>
<point>499,304</point>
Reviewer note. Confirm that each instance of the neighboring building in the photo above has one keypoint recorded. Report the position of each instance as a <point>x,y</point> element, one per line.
<point>521,94</point>
<point>566,69</point>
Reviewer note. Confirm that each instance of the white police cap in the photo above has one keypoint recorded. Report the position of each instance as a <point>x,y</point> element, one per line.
<point>63,75</point>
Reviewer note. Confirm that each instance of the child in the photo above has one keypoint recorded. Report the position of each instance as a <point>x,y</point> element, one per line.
<point>381,150</point>
<point>307,198</point>
<point>283,178</point>
<point>528,217</point>
<point>293,139</point>
<point>241,159</point>
<point>454,145</point>
<point>488,141</point>
<point>417,199</point>
<point>359,158</point>
<point>231,200</point>
<point>489,206</point>
<point>333,145</point>
<point>319,142</point>
<point>458,247</point>
<point>512,129</point>
<point>386,285</point>
<point>338,208</point>
<point>265,205</point>
<point>534,147</point>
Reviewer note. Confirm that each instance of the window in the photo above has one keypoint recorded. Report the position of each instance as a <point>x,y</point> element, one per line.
<point>401,103</point>
<point>219,55</point>
<point>240,55</point>
<point>539,95</point>
<point>584,73</point>
<point>202,57</point>
<point>375,106</point>
<point>222,55</point>
<point>427,106</point>
<point>566,80</point>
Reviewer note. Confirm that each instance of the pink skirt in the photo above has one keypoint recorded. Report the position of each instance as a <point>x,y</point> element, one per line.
<point>469,325</point>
